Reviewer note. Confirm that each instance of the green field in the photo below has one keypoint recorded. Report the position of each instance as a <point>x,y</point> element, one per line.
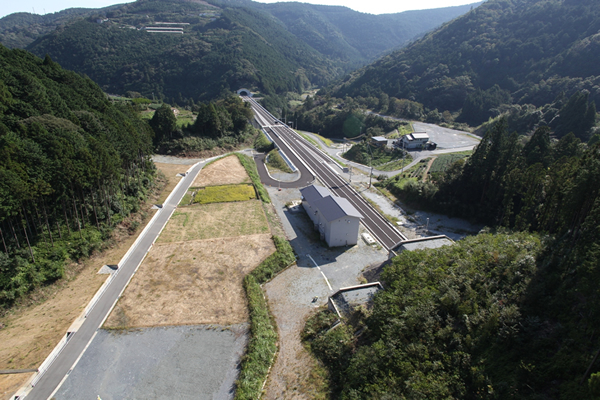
<point>442,162</point>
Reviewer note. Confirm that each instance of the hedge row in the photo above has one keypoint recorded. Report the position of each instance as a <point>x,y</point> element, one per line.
<point>262,345</point>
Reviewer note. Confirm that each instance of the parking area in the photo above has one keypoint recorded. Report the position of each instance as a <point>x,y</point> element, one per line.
<point>446,138</point>
<point>182,362</point>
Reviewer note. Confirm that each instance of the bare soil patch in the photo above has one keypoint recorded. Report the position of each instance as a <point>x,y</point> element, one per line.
<point>191,283</point>
<point>225,171</point>
<point>215,220</point>
<point>9,384</point>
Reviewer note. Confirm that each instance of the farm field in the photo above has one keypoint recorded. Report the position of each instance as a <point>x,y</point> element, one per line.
<point>224,193</point>
<point>191,283</point>
<point>193,274</point>
<point>208,221</point>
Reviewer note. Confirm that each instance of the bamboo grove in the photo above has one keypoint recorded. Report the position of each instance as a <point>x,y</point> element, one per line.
<point>72,165</point>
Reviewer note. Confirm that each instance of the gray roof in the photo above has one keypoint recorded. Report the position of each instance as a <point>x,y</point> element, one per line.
<point>333,207</point>
<point>379,139</point>
<point>313,193</point>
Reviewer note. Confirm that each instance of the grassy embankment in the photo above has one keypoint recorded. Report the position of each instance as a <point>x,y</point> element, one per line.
<point>276,162</point>
<point>262,345</point>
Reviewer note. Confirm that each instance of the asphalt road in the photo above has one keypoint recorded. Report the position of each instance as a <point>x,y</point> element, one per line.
<point>306,177</point>
<point>324,168</point>
<point>79,340</point>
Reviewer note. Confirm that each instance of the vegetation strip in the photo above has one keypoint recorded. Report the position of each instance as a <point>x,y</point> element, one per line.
<point>262,345</point>
<point>250,167</point>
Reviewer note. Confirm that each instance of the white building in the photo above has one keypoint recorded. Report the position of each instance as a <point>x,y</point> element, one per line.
<point>334,217</point>
<point>415,140</point>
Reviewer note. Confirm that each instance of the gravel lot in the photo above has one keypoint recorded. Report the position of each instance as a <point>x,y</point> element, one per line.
<point>183,362</point>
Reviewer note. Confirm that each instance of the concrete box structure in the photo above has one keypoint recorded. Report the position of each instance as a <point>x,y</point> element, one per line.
<point>415,140</point>
<point>334,217</point>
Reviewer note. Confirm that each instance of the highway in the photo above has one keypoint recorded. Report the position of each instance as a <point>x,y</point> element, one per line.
<point>79,340</point>
<point>323,167</point>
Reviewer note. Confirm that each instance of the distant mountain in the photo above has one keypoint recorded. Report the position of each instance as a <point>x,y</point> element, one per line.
<point>521,51</point>
<point>356,38</point>
<point>20,29</point>
<point>211,52</point>
<point>225,45</point>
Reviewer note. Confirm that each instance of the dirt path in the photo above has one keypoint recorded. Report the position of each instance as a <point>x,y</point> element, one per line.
<point>429,164</point>
<point>294,374</point>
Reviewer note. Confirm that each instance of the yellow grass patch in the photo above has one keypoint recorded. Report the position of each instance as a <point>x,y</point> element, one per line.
<point>189,283</point>
<point>223,194</point>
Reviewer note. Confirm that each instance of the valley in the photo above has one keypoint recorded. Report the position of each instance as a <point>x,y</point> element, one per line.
<point>230,199</point>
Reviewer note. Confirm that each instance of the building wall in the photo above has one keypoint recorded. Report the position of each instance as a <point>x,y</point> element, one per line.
<point>311,212</point>
<point>342,232</point>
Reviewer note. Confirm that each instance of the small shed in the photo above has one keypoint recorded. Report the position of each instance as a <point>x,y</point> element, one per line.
<point>379,141</point>
<point>415,140</point>
<point>336,219</point>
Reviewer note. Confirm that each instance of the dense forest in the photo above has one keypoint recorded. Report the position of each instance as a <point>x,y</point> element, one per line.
<point>502,57</point>
<point>72,165</point>
<point>222,124</point>
<point>505,314</point>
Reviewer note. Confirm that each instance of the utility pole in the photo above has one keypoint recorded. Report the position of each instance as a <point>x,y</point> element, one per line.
<point>370,163</point>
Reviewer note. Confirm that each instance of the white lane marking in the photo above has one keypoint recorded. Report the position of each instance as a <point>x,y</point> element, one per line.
<point>319,268</point>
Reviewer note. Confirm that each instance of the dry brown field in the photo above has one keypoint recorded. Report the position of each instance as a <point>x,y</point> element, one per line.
<point>225,171</point>
<point>215,220</point>
<point>193,274</point>
<point>191,283</point>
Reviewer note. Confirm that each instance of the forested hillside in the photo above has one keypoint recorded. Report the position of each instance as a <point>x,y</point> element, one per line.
<point>505,56</point>
<point>353,38</point>
<point>72,165</point>
<point>225,45</point>
<point>505,314</point>
<point>20,29</point>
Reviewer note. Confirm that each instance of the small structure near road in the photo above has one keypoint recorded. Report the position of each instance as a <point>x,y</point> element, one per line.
<point>415,140</point>
<point>379,141</point>
<point>431,242</point>
<point>345,300</point>
<point>334,217</point>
